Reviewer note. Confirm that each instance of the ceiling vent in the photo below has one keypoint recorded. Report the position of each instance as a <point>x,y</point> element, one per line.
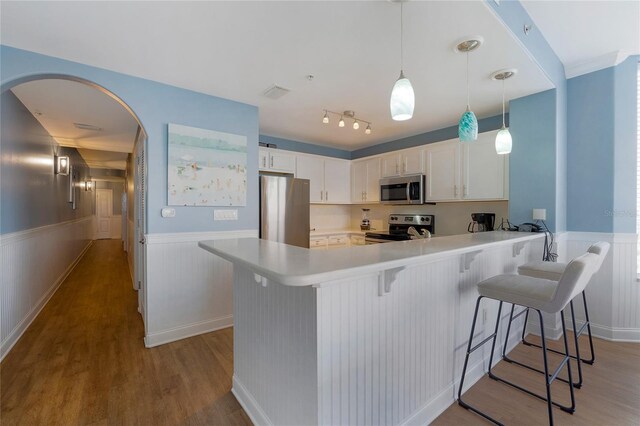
<point>275,92</point>
<point>87,127</point>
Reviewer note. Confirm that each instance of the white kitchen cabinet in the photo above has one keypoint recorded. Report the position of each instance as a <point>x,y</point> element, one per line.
<point>338,240</point>
<point>466,171</point>
<point>483,169</point>
<point>358,240</point>
<point>442,163</point>
<point>406,162</point>
<point>330,180</point>
<point>365,175</point>
<point>276,161</point>
<point>318,242</point>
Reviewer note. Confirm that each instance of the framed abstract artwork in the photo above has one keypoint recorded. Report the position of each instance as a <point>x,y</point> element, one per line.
<point>206,167</point>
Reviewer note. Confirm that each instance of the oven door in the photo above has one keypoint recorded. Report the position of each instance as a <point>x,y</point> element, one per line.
<point>402,190</point>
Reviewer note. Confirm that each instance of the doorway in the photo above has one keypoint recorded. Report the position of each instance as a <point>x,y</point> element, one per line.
<point>104,213</point>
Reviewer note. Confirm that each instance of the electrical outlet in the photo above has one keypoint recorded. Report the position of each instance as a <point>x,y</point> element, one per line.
<point>225,215</point>
<point>168,212</point>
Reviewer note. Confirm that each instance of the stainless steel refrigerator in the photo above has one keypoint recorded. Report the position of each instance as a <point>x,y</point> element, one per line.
<point>284,210</point>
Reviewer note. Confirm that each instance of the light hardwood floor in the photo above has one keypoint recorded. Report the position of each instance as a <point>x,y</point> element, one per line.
<point>83,361</point>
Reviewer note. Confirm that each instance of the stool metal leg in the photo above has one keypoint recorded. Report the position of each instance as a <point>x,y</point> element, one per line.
<point>470,350</point>
<point>588,325</point>
<point>549,378</point>
<point>578,333</point>
<point>577,384</point>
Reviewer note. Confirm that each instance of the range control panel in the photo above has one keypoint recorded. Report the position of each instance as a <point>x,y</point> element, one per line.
<point>418,219</point>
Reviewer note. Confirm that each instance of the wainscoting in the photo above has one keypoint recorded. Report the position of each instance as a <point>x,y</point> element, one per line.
<point>34,263</point>
<point>188,290</point>
<point>614,293</point>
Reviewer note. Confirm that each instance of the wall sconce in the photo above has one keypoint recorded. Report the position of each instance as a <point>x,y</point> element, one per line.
<point>61,165</point>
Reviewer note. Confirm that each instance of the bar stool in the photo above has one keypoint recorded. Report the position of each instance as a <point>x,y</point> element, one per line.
<point>543,296</point>
<point>553,271</point>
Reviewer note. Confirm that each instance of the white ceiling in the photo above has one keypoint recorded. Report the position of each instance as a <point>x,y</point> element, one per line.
<point>236,50</point>
<point>588,35</point>
<point>58,104</point>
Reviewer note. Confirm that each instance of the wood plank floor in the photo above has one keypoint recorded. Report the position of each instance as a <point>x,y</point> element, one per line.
<point>83,362</point>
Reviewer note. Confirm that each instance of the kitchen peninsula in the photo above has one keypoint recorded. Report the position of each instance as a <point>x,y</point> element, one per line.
<point>360,335</point>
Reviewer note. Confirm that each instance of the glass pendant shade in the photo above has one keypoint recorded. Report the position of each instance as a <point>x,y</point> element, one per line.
<point>403,99</point>
<point>503,141</point>
<point>468,127</point>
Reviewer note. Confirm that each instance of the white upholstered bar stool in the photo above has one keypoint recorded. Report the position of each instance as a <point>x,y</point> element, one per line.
<point>553,271</point>
<point>543,296</point>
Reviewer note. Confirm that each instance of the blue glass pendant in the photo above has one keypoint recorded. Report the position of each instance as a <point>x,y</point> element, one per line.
<point>468,127</point>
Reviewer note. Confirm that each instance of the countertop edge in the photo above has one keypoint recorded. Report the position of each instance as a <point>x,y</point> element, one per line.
<point>318,278</point>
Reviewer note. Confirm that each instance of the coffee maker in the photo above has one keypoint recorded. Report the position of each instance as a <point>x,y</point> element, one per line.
<point>482,222</point>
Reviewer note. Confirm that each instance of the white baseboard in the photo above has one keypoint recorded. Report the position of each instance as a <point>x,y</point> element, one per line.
<point>17,332</point>
<point>429,412</point>
<point>189,330</point>
<point>609,333</point>
<point>249,404</point>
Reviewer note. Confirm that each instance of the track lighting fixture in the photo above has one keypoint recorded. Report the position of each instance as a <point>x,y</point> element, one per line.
<point>349,115</point>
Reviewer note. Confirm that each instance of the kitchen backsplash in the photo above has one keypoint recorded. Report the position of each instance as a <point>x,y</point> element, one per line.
<point>451,218</point>
<point>330,217</point>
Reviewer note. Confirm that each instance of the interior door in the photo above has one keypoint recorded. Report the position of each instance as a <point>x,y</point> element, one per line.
<point>104,211</point>
<point>139,211</point>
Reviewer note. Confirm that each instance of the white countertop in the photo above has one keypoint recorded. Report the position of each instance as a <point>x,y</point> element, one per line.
<point>296,266</point>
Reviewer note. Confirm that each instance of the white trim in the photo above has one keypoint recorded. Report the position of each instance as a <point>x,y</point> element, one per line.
<point>608,333</point>
<point>189,330</point>
<point>249,404</point>
<point>601,62</point>
<point>19,330</point>
<point>184,237</point>
<point>617,237</point>
<point>438,405</point>
<point>15,237</point>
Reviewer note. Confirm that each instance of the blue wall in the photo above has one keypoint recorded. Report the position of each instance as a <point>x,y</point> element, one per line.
<point>484,125</point>
<point>601,193</point>
<point>31,195</point>
<point>625,150</point>
<point>305,147</point>
<point>532,163</point>
<point>157,105</point>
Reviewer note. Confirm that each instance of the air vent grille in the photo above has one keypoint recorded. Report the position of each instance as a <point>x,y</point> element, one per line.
<point>275,92</point>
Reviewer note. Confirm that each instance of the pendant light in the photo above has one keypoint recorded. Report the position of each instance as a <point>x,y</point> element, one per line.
<point>468,124</point>
<point>403,99</point>
<point>503,138</point>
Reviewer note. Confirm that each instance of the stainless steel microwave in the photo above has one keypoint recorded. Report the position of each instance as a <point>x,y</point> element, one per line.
<point>402,190</point>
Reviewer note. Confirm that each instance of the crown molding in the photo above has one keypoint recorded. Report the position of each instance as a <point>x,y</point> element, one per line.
<point>595,64</point>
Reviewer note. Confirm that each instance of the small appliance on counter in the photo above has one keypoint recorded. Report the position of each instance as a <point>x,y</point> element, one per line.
<point>482,222</point>
<point>365,224</point>
<point>400,228</point>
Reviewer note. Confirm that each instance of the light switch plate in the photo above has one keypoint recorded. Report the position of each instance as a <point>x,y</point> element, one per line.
<point>168,212</point>
<point>225,215</point>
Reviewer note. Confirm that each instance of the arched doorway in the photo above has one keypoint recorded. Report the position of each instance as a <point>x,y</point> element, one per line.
<point>50,99</point>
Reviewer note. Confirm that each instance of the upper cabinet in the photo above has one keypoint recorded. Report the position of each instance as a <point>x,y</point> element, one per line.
<point>399,163</point>
<point>330,179</point>
<point>484,170</point>
<point>277,160</point>
<point>466,171</point>
<point>365,178</point>
<point>442,162</point>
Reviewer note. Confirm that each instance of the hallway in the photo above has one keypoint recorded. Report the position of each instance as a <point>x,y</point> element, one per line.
<point>83,360</point>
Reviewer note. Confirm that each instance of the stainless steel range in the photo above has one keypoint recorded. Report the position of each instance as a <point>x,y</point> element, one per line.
<point>400,228</point>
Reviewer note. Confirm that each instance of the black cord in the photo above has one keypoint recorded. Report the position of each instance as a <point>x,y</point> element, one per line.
<point>548,255</point>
